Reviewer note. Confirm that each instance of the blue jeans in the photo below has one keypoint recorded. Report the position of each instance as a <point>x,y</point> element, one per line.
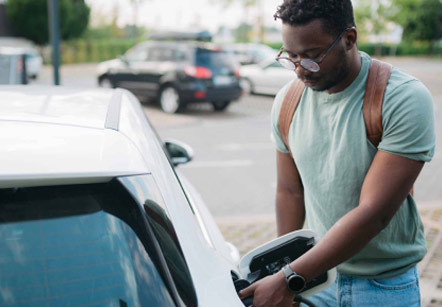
<point>347,291</point>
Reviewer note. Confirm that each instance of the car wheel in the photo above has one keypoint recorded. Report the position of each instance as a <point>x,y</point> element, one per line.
<point>220,105</point>
<point>170,100</point>
<point>246,86</point>
<point>106,83</point>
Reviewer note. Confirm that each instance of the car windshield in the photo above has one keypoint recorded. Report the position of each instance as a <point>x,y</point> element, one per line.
<point>76,245</point>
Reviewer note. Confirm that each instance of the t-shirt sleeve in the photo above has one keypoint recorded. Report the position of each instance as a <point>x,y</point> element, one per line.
<point>408,122</point>
<point>275,136</point>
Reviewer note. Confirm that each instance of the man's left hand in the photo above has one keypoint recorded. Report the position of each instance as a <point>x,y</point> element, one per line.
<point>270,291</point>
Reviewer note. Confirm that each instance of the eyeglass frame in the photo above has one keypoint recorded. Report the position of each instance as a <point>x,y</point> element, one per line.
<point>317,62</point>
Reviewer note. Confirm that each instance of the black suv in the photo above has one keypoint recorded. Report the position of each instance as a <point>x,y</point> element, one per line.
<point>175,73</point>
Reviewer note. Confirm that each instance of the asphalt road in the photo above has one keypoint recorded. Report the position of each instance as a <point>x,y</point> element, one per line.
<point>234,165</point>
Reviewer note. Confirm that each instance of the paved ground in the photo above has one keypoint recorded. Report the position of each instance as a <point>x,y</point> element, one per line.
<point>247,233</point>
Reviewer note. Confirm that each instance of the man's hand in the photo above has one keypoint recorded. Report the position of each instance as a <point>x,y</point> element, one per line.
<point>270,291</point>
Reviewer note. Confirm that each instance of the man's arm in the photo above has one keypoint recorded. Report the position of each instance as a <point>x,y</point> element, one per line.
<point>385,187</point>
<point>290,210</point>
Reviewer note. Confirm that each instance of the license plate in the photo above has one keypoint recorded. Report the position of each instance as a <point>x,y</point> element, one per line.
<point>222,80</point>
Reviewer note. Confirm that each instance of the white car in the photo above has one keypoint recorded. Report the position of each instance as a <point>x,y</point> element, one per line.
<point>250,53</point>
<point>93,212</point>
<point>267,77</point>
<point>34,60</point>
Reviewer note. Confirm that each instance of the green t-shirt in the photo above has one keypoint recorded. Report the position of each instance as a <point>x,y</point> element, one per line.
<point>332,153</point>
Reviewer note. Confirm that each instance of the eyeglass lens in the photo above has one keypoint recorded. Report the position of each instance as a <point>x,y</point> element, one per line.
<point>306,64</point>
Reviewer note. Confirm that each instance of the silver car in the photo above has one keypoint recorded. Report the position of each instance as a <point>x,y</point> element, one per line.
<point>267,77</point>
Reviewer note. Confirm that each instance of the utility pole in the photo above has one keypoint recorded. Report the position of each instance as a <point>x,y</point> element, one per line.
<point>54,26</point>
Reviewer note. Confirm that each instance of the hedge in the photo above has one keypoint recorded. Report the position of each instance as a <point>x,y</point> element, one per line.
<point>82,51</point>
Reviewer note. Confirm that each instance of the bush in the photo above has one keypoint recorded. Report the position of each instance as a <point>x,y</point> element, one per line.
<point>82,51</point>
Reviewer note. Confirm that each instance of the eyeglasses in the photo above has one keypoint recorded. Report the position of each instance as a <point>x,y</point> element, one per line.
<point>307,64</point>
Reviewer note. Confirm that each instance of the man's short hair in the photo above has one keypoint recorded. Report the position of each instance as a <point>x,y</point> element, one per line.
<point>336,15</point>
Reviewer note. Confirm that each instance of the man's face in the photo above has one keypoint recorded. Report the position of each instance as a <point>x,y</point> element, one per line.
<point>311,42</point>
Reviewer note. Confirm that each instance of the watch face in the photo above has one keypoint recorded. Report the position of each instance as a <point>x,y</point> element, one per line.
<point>296,283</point>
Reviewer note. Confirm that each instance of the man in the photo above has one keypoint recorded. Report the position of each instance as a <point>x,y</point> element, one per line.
<point>356,197</point>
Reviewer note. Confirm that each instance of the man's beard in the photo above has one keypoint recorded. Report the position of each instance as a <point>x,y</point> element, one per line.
<point>336,77</point>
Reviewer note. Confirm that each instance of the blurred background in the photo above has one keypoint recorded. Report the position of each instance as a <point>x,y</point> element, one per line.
<point>98,30</point>
<point>234,166</point>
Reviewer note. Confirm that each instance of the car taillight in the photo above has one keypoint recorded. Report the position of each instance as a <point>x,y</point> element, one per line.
<point>199,94</point>
<point>237,74</point>
<point>20,65</point>
<point>198,72</point>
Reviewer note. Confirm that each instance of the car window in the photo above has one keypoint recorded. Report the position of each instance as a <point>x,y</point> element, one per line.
<point>139,53</point>
<point>77,245</point>
<point>180,55</point>
<point>214,59</point>
<point>160,54</point>
<point>145,190</point>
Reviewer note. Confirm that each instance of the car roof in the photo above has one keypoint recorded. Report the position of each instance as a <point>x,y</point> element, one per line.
<point>183,43</point>
<point>56,135</point>
<point>182,35</point>
<point>12,50</point>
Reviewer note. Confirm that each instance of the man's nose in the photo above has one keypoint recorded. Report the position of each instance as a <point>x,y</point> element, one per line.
<point>301,72</point>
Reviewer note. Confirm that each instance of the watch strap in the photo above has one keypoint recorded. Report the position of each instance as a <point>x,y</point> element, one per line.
<point>287,271</point>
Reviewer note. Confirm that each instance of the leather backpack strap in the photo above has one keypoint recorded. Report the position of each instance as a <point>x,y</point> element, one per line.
<point>377,80</point>
<point>374,97</point>
<point>288,108</point>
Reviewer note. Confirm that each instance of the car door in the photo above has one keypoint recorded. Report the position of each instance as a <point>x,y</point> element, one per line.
<point>146,75</point>
<point>126,75</point>
<point>160,61</point>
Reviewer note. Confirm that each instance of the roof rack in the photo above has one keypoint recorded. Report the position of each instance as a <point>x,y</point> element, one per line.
<point>203,36</point>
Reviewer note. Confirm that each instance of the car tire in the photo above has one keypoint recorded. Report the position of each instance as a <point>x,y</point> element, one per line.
<point>106,83</point>
<point>246,86</point>
<point>220,105</point>
<point>170,101</point>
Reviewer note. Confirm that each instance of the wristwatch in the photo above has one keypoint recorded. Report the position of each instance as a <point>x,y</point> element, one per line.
<point>295,282</point>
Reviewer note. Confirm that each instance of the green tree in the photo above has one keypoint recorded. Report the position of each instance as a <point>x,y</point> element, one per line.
<point>30,18</point>
<point>371,17</point>
<point>242,33</point>
<point>421,19</point>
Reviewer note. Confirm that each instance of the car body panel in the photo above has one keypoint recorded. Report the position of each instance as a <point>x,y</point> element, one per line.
<point>58,152</point>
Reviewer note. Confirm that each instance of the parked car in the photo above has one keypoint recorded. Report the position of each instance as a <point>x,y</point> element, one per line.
<point>250,53</point>
<point>175,73</point>
<point>93,211</point>
<point>13,66</point>
<point>34,60</point>
<point>267,77</point>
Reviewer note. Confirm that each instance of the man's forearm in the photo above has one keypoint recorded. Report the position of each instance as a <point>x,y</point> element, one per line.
<point>346,238</point>
<point>290,212</point>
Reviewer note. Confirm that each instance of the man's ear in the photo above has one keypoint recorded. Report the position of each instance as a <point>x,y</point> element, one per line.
<point>351,38</point>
